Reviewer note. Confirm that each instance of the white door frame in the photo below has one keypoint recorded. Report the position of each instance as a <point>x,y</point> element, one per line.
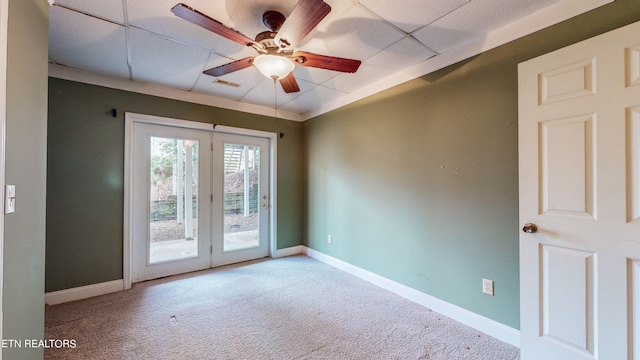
<point>4,23</point>
<point>130,119</point>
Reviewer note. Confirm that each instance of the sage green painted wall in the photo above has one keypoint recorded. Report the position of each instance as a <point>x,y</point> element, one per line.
<point>419,183</point>
<point>25,153</point>
<point>86,171</point>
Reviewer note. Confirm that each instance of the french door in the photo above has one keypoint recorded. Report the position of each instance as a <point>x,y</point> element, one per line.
<point>198,199</point>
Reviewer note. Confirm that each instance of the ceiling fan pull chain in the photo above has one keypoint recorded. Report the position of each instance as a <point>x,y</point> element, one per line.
<point>275,102</point>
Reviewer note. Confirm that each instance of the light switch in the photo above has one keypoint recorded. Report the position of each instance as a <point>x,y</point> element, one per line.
<point>10,199</point>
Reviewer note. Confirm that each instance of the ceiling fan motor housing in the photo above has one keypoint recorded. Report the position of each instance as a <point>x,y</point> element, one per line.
<point>266,35</point>
<point>273,20</point>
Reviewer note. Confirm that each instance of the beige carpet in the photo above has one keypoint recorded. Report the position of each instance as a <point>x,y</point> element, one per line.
<point>290,308</point>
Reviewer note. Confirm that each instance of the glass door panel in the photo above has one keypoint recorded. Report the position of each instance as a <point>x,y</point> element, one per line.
<point>173,194</point>
<point>241,197</point>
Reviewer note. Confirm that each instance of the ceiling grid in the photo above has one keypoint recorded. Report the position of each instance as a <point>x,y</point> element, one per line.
<point>143,41</point>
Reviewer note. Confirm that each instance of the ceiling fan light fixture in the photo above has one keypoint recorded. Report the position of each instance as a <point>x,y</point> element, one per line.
<point>274,66</point>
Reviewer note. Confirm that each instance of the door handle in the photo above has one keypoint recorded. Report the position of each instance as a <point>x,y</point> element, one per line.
<point>530,228</point>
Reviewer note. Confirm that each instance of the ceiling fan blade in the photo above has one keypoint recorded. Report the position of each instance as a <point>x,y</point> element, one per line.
<point>196,17</point>
<point>230,67</point>
<point>304,17</point>
<point>326,62</point>
<point>289,84</point>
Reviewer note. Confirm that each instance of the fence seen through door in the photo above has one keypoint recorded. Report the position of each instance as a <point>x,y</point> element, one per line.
<point>173,193</point>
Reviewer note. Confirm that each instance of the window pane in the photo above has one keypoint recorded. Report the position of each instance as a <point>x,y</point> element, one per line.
<point>241,191</point>
<point>173,193</point>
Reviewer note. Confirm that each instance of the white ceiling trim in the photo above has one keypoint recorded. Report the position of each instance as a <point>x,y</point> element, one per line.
<point>87,77</point>
<point>522,27</point>
<point>525,26</point>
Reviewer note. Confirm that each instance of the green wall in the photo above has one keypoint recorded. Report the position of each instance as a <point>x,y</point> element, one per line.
<point>25,153</point>
<point>86,171</point>
<point>419,183</point>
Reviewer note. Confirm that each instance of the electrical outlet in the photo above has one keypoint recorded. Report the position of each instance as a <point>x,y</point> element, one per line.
<point>487,286</point>
<point>329,239</point>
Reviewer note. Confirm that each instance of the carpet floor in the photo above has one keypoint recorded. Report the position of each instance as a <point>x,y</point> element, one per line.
<point>288,308</point>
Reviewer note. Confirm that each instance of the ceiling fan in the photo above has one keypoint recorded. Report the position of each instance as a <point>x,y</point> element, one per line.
<point>276,57</point>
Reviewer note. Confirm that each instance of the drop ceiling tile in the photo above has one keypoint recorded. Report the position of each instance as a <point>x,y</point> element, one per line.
<point>357,34</point>
<point>441,39</point>
<point>397,57</point>
<point>338,10</point>
<point>262,93</point>
<point>314,75</point>
<point>233,50</point>
<point>422,12</point>
<point>105,9</point>
<point>489,15</point>
<point>156,16</point>
<point>366,75</point>
<point>245,78</point>
<point>310,100</point>
<point>102,50</point>
<point>475,20</point>
<point>159,60</point>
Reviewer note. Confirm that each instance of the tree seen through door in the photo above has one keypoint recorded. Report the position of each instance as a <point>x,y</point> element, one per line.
<point>174,191</point>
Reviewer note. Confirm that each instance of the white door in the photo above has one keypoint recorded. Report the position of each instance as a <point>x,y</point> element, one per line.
<point>171,207</point>
<point>579,158</point>
<point>241,198</point>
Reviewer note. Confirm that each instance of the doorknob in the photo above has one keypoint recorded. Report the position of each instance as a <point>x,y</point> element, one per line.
<point>530,228</point>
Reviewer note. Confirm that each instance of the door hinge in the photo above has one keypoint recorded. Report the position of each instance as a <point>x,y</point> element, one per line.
<point>211,197</point>
<point>211,249</point>
<point>211,146</point>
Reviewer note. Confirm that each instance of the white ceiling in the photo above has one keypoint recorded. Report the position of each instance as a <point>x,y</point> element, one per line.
<point>141,40</point>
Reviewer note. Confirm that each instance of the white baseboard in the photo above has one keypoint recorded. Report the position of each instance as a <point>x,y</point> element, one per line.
<point>83,292</point>
<point>464,316</point>
<point>294,250</point>
<point>490,327</point>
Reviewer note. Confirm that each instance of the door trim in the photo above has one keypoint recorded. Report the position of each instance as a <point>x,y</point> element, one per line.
<point>4,24</point>
<point>130,119</point>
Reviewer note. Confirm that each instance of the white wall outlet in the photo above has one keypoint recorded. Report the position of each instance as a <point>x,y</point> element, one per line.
<point>487,286</point>
<point>329,239</point>
<point>10,199</point>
